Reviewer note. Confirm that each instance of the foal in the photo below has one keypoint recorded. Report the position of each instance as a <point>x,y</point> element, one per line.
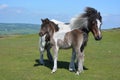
<point>44,41</point>
<point>76,38</point>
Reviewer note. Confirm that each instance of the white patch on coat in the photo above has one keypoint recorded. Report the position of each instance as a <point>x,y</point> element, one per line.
<point>98,25</point>
<point>42,42</point>
<point>63,29</point>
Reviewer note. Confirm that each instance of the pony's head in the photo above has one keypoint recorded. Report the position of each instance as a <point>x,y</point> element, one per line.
<point>96,27</point>
<point>91,20</point>
<point>48,27</point>
<point>94,22</point>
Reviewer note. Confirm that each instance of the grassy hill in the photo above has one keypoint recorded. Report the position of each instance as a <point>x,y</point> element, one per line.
<point>18,28</point>
<point>18,55</point>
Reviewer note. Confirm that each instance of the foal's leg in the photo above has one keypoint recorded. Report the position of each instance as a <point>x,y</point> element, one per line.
<point>55,50</point>
<point>80,61</point>
<point>72,64</point>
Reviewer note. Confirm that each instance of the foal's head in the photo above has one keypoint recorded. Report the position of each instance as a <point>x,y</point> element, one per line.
<point>48,27</point>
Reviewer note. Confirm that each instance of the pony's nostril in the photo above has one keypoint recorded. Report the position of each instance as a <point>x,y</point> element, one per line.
<point>98,38</point>
<point>40,34</point>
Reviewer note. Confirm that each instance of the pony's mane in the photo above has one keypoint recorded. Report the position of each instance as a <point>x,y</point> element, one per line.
<point>47,21</point>
<point>81,21</point>
<point>54,25</point>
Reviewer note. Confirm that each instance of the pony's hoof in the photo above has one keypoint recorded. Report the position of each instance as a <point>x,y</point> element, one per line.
<point>77,73</point>
<point>71,70</point>
<point>41,62</point>
<point>54,70</point>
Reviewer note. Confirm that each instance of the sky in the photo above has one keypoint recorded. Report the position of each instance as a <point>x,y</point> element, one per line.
<point>32,11</point>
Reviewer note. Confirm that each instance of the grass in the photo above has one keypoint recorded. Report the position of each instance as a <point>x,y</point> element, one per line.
<point>18,55</point>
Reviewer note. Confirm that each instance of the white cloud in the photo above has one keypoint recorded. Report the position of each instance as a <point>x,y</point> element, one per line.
<point>3,6</point>
<point>18,11</point>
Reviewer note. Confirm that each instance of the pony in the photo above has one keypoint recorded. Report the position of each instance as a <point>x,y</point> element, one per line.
<point>44,42</point>
<point>76,38</point>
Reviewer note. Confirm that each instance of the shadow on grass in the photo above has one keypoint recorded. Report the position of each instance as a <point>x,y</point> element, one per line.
<point>61,64</point>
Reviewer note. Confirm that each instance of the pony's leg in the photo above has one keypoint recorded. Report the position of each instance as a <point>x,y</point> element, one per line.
<point>48,52</point>
<point>41,49</point>
<point>83,57</point>
<point>80,62</point>
<point>72,64</point>
<point>55,50</point>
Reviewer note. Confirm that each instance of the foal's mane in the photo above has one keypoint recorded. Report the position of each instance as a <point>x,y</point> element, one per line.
<point>81,21</point>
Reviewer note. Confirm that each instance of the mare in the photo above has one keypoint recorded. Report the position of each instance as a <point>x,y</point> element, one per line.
<point>76,38</point>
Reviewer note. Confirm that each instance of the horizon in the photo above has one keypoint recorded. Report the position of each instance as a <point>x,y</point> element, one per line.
<point>31,12</point>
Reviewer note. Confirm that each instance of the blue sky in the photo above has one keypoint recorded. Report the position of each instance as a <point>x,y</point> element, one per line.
<point>31,11</point>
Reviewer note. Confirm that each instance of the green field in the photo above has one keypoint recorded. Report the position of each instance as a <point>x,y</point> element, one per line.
<point>18,55</point>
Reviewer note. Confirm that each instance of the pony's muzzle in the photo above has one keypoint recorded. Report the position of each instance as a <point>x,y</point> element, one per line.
<point>41,34</point>
<point>98,38</point>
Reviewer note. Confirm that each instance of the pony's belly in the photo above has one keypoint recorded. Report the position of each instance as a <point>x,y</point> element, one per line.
<point>63,44</point>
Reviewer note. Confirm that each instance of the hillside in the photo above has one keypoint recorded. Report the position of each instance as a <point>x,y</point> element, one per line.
<point>18,28</point>
<point>22,28</point>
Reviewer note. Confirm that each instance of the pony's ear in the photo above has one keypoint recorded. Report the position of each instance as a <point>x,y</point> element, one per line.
<point>99,13</point>
<point>47,20</point>
<point>42,20</point>
<point>100,17</point>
